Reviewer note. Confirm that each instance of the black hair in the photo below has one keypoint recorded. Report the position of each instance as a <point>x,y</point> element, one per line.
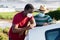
<point>28,6</point>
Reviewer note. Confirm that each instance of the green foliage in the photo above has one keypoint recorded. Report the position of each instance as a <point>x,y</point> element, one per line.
<point>6,30</point>
<point>3,36</point>
<point>1,29</point>
<point>55,14</point>
<point>4,33</point>
<point>58,8</point>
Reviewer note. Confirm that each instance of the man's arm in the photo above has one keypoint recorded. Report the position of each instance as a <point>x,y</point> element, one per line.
<point>15,28</point>
<point>32,23</point>
<point>50,20</point>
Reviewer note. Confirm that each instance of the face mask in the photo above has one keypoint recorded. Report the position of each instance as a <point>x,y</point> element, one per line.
<point>41,14</point>
<point>29,15</point>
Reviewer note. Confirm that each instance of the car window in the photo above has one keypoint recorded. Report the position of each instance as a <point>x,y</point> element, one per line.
<point>53,34</point>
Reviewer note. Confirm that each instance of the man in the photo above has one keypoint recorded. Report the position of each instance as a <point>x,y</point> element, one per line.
<point>42,19</point>
<point>20,23</point>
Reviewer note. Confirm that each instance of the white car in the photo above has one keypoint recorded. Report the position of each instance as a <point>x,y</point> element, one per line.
<point>50,32</point>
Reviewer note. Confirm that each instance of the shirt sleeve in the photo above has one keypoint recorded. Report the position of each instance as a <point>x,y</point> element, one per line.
<point>49,19</point>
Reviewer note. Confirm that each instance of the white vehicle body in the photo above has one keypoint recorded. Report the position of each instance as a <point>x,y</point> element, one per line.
<point>39,33</point>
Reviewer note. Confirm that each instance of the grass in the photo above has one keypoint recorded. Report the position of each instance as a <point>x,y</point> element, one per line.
<point>7,15</point>
<point>35,13</point>
<point>10,15</point>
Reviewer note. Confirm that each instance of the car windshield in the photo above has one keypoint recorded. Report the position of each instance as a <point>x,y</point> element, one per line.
<point>53,34</point>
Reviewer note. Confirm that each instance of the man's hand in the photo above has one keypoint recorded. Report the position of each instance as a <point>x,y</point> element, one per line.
<point>25,28</point>
<point>45,24</point>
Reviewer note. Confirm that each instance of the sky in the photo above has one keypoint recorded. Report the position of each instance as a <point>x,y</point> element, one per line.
<point>35,0</point>
<point>35,3</point>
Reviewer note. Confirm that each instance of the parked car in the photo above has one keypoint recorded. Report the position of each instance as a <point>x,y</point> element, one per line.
<point>50,32</point>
